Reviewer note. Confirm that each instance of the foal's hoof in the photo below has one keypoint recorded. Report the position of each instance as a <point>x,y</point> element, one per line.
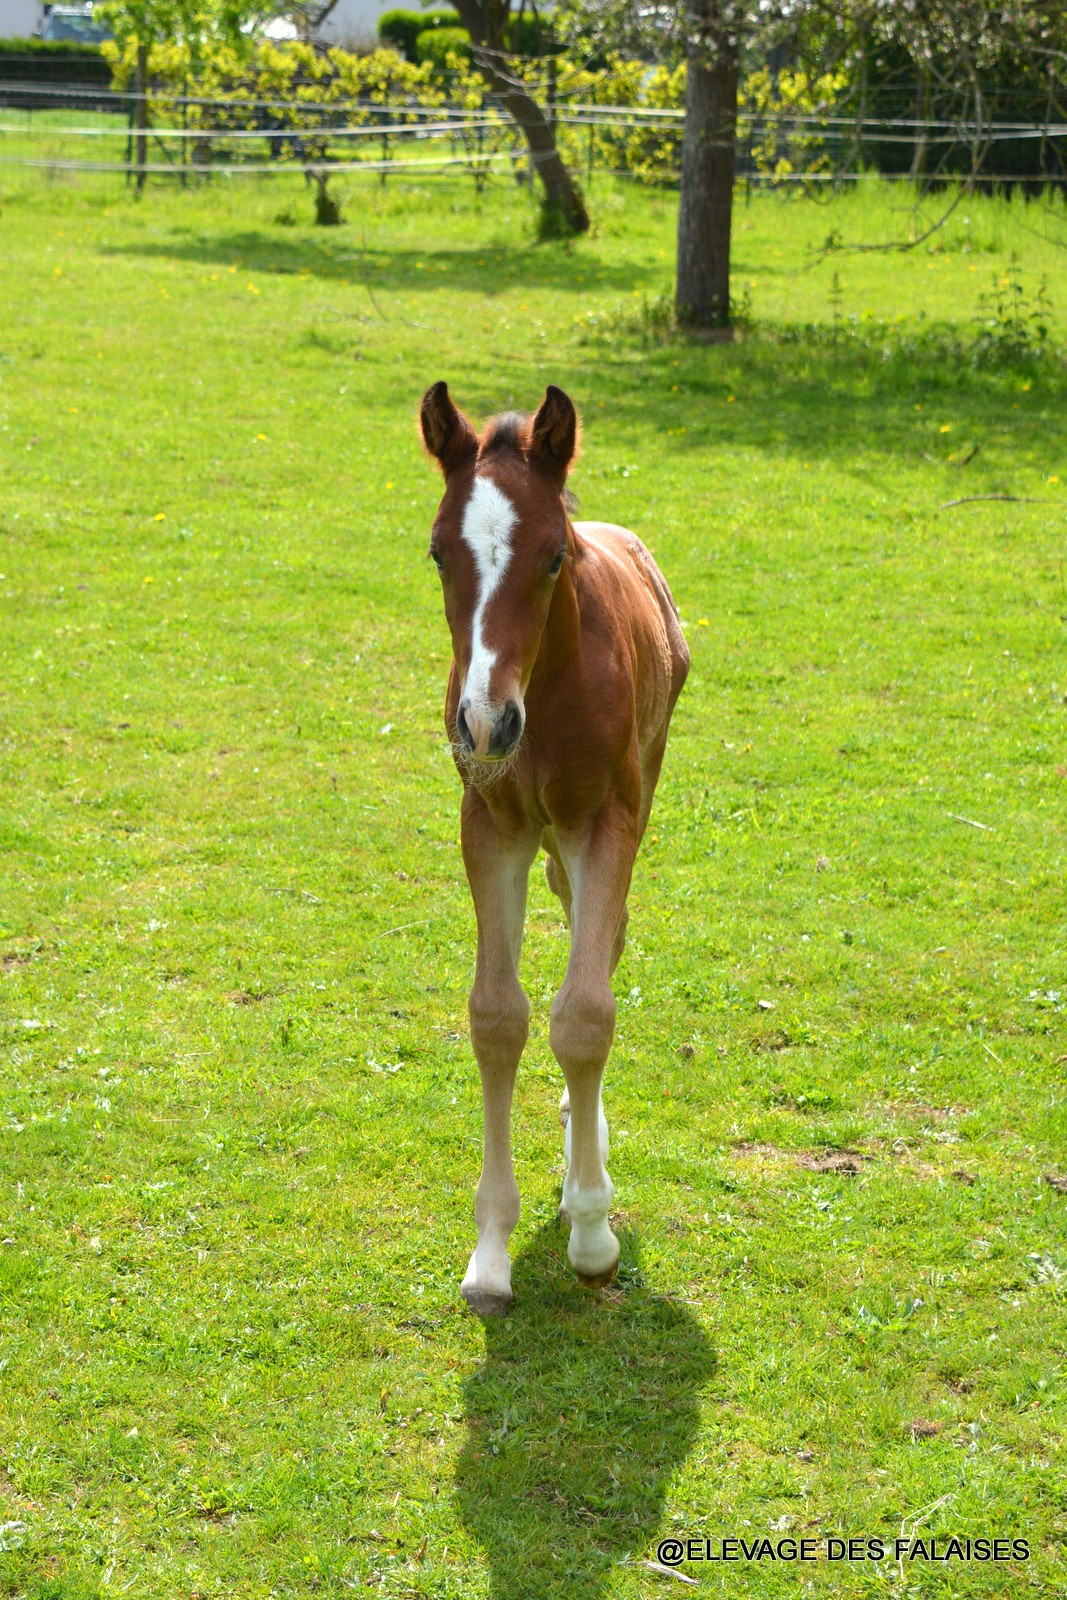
<point>484,1303</point>
<point>599,1280</point>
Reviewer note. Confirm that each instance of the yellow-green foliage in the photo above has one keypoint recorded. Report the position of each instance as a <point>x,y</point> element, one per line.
<point>304,81</point>
<point>302,86</point>
<point>788,95</point>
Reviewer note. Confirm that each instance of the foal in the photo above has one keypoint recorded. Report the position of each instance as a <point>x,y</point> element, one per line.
<point>567,661</point>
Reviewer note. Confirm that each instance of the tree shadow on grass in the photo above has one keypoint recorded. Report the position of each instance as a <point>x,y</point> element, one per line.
<point>485,270</point>
<point>583,1409</point>
<point>780,393</point>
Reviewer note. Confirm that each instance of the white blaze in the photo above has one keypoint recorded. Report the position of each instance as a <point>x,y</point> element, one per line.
<point>488,522</point>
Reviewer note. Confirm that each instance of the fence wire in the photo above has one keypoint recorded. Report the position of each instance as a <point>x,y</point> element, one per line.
<point>480,140</point>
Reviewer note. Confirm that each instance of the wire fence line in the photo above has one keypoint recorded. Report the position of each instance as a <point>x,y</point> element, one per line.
<point>450,121</point>
<point>122,100</point>
<point>325,135</point>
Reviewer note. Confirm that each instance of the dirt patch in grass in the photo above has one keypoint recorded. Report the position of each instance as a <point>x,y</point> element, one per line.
<point>11,960</point>
<point>770,1043</point>
<point>849,1162</point>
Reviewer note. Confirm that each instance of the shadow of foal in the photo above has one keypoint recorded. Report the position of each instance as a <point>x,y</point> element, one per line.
<point>582,1411</point>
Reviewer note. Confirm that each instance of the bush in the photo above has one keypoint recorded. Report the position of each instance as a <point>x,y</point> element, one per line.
<point>529,36</point>
<point>47,47</point>
<point>443,46</point>
<point>401,29</point>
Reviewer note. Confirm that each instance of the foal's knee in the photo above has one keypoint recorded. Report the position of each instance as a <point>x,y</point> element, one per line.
<point>582,1026</point>
<point>500,1023</point>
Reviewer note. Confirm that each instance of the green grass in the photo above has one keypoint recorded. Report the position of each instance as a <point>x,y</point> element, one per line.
<point>240,1119</point>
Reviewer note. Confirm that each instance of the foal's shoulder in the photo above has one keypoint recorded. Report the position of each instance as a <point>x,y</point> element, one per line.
<point>608,538</point>
<point>627,556</point>
<point>623,548</point>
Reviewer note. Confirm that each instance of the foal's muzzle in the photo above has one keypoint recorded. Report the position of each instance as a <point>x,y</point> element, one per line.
<point>490,738</point>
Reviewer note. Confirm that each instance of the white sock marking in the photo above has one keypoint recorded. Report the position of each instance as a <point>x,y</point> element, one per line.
<point>488,521</point>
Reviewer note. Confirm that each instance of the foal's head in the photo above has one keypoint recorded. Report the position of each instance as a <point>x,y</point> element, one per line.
<point>500,541</point>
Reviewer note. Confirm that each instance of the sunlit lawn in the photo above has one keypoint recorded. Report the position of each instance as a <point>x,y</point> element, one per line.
<point>240,1120</point>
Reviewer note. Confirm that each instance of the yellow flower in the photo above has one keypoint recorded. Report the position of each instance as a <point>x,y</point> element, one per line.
<point>702,622</point>
<point>160,516</point>
<point>149,580</point>
<point>262,436</point>
<point>729,399</point>
<point>1028,385</point>
<point>1054,478</point>
<point>946,427</point>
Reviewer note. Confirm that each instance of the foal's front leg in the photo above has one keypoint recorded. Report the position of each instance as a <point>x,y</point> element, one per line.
<point>599,865</point>
<point>498,869</point>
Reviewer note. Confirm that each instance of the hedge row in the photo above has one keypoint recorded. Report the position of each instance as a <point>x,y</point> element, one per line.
<point>401,28</point>
<point>407,32</point>
<point>48,47</point>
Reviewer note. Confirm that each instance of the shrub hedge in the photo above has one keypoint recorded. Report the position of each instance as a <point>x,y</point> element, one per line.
<point>401,28</point>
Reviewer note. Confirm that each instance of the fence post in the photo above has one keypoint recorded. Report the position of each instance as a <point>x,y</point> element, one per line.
<point>141,114</point>
<point>589,152</point>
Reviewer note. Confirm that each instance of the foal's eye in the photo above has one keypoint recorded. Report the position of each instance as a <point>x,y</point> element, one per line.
<point>438,563</point>
<point>556,564</point>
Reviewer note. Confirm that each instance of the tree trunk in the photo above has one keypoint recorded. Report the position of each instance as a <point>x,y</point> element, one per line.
<point>702,292</point>
<point>484,20</point>
<point>140,115</point>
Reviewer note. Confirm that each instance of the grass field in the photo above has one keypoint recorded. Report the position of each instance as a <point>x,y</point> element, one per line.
<point>240,1120</point>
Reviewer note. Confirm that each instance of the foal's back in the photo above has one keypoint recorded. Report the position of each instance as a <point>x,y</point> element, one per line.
<point>619,573</point>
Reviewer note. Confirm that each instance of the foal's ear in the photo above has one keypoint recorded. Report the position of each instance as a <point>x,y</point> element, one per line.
<point>446,432</point>
<point>554,434</point>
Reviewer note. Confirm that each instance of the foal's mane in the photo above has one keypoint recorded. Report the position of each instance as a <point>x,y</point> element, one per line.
<point>512,430</point>
<point>509,431</point>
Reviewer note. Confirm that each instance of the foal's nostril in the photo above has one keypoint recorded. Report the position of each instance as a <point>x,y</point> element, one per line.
<point>466,737</point>
<point>508,730</point>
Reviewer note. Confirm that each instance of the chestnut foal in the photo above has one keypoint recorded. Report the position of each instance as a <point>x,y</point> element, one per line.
<point>567,661</point>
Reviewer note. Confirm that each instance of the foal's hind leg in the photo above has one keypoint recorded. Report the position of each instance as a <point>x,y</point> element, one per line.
<point>599,865</point>
<point>498,869</point>
<point>560,884</point>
